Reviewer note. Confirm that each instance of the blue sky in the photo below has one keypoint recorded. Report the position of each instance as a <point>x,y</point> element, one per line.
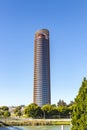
<point>19,20</point>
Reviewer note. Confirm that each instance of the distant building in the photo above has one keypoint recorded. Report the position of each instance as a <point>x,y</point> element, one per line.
<point>42,68</point>
<point>11,110</point>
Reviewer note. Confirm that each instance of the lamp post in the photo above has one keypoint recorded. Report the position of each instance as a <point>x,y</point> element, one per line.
<point>62,127</point>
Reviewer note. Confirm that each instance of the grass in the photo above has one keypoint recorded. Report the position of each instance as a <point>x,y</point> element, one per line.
<point>61,123</point>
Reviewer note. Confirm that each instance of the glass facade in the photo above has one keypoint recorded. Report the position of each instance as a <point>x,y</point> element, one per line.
<point>41,68</point>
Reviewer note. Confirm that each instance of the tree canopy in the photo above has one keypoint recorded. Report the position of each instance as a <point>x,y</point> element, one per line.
<point>61,103</point>
<point>49,110</point>
<point>17,111</point>
<point>7,114</point>
<point>33,111</point>
<point>79,115</point>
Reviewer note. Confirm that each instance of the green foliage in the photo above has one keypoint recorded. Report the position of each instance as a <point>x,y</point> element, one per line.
<point>63,111</point>
<point>4,108</point>
<point>49,111</point>
<point>33,111</point>
<point>79,116</point>
<point>4,111</point>
<point>1,113</point>
<point>54,111</point>
<point>17,111</point>
<point>6,114</point>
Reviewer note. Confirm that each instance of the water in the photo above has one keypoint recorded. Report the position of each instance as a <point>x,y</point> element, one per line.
<point>52,127</point>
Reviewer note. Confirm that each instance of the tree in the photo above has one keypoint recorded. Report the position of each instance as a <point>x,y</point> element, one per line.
<point>49,111</point>
<point>4,108</point>
<point>61,103</point>
<point>1,113</point>
<point>70,108</point>
<point>63,111</point>
<point>33,111</point>
<point>17,111</point>
<point>54,111</point>
<point>79,115</point>
<point>7,114</point>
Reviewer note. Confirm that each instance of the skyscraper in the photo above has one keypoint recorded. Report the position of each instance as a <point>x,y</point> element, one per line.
<point>41,68</point>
